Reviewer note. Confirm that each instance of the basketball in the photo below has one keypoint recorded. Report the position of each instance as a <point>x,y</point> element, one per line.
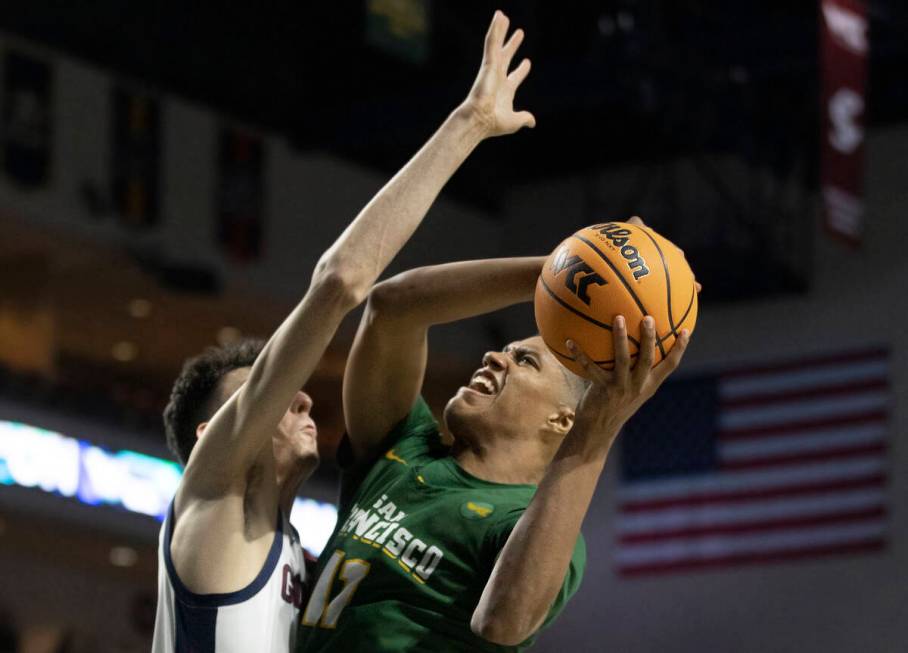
<point>610,269</point>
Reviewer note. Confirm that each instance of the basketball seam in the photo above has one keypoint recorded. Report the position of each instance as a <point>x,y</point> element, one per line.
<point>623,282</point>
<point>668,282</point>
<point>578,313</point>
<point>690,305</point>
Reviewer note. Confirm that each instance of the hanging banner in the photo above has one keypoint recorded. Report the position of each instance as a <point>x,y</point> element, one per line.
<point>27,124</point>
<point>240,194</point>
<point>844,50</point>
<point>135,157</point>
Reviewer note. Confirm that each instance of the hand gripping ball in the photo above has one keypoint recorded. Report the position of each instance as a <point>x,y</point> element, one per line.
<point>613,269</point>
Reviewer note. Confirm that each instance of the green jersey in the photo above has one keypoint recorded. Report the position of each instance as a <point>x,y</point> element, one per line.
<point>415,542</point>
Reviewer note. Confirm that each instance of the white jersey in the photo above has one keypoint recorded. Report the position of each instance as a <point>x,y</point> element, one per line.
<point>261,617</point>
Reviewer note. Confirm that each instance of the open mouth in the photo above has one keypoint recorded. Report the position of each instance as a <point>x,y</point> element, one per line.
<point>484,382</point>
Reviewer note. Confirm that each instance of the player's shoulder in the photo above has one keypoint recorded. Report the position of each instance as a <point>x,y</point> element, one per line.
<point>417,436</point>
<point>419,419</point>
<point>502,518</point>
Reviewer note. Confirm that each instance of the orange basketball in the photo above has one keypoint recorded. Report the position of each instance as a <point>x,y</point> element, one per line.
<point>613,269</point>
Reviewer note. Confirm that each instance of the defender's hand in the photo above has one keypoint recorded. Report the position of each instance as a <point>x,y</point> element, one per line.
<point>614,396</point>
<point>491,100</point>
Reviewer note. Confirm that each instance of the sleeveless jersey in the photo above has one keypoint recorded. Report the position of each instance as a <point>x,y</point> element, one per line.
<point>261,617</point>
<point>415,542</point>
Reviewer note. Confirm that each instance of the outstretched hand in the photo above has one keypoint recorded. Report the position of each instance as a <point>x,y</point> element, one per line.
<point>492,97</point>
<point>615,395</point>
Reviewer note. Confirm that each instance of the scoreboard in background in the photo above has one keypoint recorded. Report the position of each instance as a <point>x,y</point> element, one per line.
<point>33,457</point>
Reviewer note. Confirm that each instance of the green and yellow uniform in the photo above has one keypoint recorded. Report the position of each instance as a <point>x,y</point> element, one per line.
<point>415,542</point>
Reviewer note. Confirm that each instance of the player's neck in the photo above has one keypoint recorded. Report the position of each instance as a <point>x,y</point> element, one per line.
<point>506,462</point>
<point>288,496</point>
<point>290,486</point>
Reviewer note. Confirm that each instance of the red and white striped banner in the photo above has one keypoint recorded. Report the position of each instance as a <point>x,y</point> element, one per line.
<point>844,51</point>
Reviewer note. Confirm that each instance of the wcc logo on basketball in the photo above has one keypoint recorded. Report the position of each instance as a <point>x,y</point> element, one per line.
<point>576,267</point>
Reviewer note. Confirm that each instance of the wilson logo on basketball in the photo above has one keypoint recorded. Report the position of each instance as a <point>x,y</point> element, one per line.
<point>618,235</point>
<point>575,267</point>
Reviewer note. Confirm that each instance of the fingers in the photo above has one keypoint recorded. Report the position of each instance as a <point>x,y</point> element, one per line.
<point>671,362</point>
<point>526,119</point>
<point>511,47</point>
<point>698,286</point>
<point>490,38</point>
<point>520,73</point>
<point>489,47</point>
<point>502,28</point>
<point>622,355</point>
<point>495,47</point>
<point>593,371</point>
<point>647,350</point>
<point>498,28</point>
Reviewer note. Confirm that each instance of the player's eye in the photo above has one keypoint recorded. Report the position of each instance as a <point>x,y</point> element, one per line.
<point>525,358</point>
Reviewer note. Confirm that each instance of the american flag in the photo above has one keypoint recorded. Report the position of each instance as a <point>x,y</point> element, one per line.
<point>768,463</point>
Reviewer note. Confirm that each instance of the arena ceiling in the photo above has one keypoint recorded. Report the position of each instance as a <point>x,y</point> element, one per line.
<point>615,83</point>
<point>613,80</point>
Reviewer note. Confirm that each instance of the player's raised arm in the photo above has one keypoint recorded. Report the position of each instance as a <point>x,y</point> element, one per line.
<point>531,568</point>
<point>387,362</point>
<point>344,274</point>
<point>392,333</point>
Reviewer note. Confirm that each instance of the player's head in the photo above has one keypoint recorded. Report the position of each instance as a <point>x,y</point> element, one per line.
<point>209,380</point>
<point>520,393</point>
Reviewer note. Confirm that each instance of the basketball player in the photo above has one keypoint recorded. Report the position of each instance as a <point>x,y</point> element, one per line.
<point>476,547</point>
<point>230,564</point>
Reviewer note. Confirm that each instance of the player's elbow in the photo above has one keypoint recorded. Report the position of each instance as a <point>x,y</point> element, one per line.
<point>500,630</point>
<point>339,286</point>
<point>389,298</point>
<point>404,294</point>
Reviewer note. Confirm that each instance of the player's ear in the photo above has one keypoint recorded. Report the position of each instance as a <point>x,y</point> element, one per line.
<point>561,420</point>
<point>200,429</point>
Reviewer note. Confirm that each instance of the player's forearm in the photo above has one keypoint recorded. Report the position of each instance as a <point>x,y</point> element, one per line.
<point>293,352</point>
<point>343,277</point>
<point>236,434</point>
<point>445,293</point>
<point>367,246</point>
<point>531,568</point>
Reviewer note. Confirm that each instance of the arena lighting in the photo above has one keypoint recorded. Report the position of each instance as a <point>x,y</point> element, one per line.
<point>33,457</point>
<point>139,308</point>
<point>124,351</point>
<point>227,335</point>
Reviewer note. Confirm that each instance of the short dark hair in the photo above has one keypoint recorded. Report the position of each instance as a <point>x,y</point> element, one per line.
<point>191,397</point>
